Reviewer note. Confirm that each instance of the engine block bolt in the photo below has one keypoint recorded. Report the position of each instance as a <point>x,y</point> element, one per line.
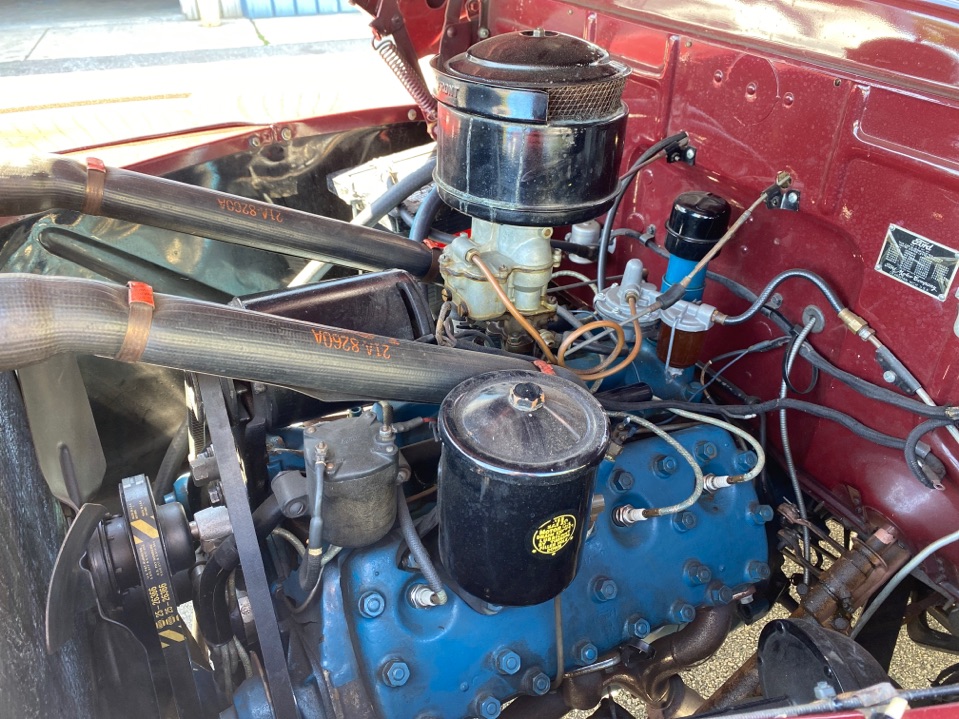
<point>489,707</point>
<point>696,574</point>
<point>684,521</point>
<point>665,466</point>
<point>745,461</point>
<point>539,684</point>
<point>622,481</point>
<point>760,514</point>
<point>706,452</point>
<point>757,571</point>
<point>507,662</point>
<point>371,605</point>
<point>604,589</point>
<point>681,612</point>
<point>586,653</point>
<point>396,673</point>
<point>720,595</point>
<point>639,628</point>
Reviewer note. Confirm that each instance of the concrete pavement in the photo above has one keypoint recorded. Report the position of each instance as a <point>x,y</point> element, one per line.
<point>76,84</point>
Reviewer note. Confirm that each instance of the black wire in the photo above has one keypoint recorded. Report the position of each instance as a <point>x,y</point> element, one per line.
<point>814,380</point>
<point>912,457</point>
<point>764,346</point>
<point>746,410</point>
<point>624,182</point>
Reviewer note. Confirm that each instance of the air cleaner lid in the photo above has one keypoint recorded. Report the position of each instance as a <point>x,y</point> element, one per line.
<point>524,422</point>
<point>535,59</point>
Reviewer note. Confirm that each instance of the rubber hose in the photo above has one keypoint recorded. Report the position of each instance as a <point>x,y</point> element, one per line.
<point>425,216</point>
<point>767,292</point>
<point>49,182</point>
<point>309,573</point>
<point>393,197</point>
<point>44,316</point>
<point>419,552</point>
<point>746,410</point>
<point>912,441</point>
<point>624,183</point>
<point>212,612</point>
<point>173,459</point>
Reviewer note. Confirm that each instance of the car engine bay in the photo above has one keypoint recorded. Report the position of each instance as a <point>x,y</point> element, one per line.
<point>504,403</point>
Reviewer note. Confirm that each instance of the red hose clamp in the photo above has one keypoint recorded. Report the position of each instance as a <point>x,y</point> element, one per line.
<point>96,179</point>
<point>544,367</point>
<point>139,322</point>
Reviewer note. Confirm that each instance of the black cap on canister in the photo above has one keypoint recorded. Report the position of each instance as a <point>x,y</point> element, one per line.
<point>697,221</point>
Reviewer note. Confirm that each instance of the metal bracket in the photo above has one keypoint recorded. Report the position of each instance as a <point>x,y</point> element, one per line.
<point>258,589</point>
<point>681,152</point>
<point>782,198</point>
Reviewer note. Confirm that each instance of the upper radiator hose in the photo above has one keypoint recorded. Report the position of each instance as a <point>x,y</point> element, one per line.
<point>50,182</point>
<point>43,316</point>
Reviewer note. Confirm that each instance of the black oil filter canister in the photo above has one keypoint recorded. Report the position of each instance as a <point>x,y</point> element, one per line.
<point>520,453</point>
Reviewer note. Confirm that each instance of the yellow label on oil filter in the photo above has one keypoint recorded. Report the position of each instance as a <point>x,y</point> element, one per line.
<point>554,534</point>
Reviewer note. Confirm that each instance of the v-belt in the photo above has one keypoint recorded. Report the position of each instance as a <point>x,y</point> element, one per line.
<point>279,687</point>
<point>157,579</point>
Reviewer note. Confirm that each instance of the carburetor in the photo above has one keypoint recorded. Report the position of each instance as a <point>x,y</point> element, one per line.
<point>529,136</point>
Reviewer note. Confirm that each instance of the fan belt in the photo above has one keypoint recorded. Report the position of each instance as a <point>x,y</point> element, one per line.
<point>139,511</point>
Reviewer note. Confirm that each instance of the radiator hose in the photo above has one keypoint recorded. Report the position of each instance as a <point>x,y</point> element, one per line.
<point>42,316</point>
<point>51,182</point>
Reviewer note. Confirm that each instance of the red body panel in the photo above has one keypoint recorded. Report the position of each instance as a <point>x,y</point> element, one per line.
<point>858,102</point>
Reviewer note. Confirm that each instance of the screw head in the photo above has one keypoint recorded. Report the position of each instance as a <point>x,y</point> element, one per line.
<point>684,521</point>
<point>745,461</point>
<point>604,589</point>
<point>586,653</point>
<point>527,396</point>
<point>720,595</point>
<point>757,571</point>
<point>508,662</point>
<point>489,707</point>
<point>665,466</point>
<point>540,684</point>
<point>622,481</point>
<point>706,452</point>
<point>889,376</point>
<point>371,605</point>
<point>696,574</point>
<point>639,628</point>
<point>254,141</point>
<point>792,197</point>
<point>286,134</point>
<point>681,612</point>
<point>760,514</point>
<point>294,508</point>
<point>483,33</point>
<point>396,673</point>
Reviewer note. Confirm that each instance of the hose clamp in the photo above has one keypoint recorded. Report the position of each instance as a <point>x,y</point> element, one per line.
<point>139,322</point>
<point>93,193</point>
